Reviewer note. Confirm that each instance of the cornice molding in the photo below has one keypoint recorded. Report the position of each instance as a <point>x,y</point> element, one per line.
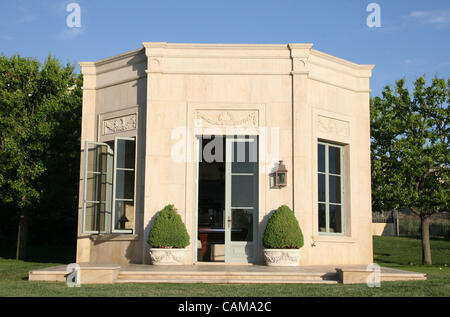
<point>214,46</point>
<point>118,57</point>
<point>109,60</point>
<point>87,68</point>
<point>341,61</point>
<point>303,58</point>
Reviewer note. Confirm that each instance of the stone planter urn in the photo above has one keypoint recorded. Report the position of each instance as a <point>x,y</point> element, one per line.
<point>282,257</point>
<point>160,256</point>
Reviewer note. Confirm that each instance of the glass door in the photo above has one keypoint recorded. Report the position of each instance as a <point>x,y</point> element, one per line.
<point>241,199</point>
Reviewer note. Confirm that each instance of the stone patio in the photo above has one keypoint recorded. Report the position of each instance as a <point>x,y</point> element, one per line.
<point>222,274</point>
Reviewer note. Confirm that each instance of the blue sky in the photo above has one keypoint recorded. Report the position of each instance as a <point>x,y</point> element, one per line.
<point>414,37</point>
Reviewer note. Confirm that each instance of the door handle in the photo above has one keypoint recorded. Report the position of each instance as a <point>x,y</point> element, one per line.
<point>229,221</point>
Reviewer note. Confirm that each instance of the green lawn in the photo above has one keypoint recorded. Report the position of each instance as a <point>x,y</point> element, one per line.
<point>402,253</point>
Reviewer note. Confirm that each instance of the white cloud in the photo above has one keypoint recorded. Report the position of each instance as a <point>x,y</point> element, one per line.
<point>5,37</point>
<point>415,62</point>
<point>424,64</point>
<point>70,33</point>
<point>24,13</point>
<point>26,19</point>
<point>439,18</point>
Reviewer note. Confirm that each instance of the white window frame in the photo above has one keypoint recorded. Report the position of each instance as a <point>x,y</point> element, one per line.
<point>114,199</point>
<point>111,179</point>
<point>235,251</point>
<point>327,192</point>
<point>108,190</point>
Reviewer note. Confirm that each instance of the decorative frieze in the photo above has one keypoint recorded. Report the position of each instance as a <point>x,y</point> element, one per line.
<point>120,124</point>
<point>228,118</point>
<point>333,126</point>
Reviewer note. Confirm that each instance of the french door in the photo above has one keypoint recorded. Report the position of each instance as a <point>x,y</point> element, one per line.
<point>241,199</point>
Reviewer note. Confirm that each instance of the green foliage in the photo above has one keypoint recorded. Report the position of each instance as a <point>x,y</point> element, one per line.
<point>283,231</point>
<point>410,147</point>
<point>33,98</point>
<point>168,230</point>
<point>40,120</point>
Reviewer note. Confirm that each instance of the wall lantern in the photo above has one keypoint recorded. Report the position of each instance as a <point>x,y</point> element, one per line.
<point>281,175</point>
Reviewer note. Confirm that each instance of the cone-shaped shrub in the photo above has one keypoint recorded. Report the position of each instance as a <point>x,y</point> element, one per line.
<point>168,230</point>
<point>283,231</point>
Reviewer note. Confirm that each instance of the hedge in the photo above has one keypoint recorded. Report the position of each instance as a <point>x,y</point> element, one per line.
<point>283,230</point>
<point>168,230</point>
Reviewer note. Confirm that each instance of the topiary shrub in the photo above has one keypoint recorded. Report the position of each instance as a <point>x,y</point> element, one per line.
<point>283,231</point>
<point>168,230</point>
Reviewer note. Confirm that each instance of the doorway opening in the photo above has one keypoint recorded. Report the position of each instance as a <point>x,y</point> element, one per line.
<point>227,218</point>
<point>211,200</point>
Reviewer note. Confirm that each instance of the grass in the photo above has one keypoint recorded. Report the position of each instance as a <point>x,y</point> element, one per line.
<point>388,251</point>
<point>395,252</point>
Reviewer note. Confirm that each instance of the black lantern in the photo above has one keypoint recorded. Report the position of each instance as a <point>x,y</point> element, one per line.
<point>281,175</point>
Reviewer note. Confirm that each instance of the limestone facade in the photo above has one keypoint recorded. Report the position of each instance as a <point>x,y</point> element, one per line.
<point>166,94</point>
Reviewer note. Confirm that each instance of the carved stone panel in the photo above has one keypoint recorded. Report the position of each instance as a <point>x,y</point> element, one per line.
<point>333,126</point>
<point>228,118</point>
<point>119,124</point>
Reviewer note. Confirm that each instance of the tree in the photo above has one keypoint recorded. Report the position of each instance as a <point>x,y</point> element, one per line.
<point>410,151</point>
<point>33,99</point>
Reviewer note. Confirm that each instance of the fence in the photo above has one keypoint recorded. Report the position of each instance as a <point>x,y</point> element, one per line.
<point>383,217</point>
<point>409,224</point>
<point>384,223</point>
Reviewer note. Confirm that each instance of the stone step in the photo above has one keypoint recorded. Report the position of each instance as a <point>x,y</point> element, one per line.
<point>240,277</point>
<point>226,281</point>
<point>221,275</point>
<point>226,277</point>
<point>279,272</point>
